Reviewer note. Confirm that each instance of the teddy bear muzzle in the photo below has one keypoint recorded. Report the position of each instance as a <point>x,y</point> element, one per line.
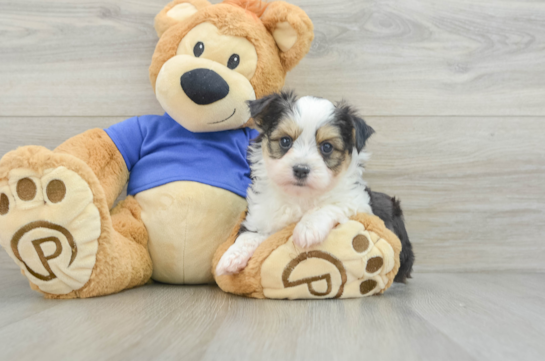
<point>203,95</point>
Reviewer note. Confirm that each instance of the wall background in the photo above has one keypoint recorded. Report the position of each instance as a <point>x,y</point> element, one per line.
<point>454,89</point>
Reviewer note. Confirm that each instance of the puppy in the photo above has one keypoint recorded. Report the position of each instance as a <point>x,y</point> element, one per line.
<point>307,167</point>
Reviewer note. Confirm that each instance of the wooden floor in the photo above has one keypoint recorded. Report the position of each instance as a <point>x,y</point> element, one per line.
<point>450,316</point>
<point>456,92</point>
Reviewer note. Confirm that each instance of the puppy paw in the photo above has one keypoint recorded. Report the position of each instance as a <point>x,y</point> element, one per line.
<point>233,261</point>
<point>307,234</point>
<point>237,256</point>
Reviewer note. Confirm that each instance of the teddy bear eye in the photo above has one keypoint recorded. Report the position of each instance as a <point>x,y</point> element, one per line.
<point>198,49</point>
<point>233,62</point>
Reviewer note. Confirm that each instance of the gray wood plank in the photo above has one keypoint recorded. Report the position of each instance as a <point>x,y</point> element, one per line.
<point>411,57</point>
<point>47,132</point>
<point>472,188</point>
<point>427,57</point>
<point>5,262</point>
<point>483,314</point>
<point>17,300</point>
<point>62,57</point>
<point>381,328</point>
<point>436,316</point>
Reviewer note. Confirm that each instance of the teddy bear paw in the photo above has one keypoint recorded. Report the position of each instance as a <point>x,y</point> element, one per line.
<point>50,227</point>
<point>351,262</point>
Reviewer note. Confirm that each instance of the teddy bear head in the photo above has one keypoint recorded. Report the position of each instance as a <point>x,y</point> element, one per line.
<point>212,59</point>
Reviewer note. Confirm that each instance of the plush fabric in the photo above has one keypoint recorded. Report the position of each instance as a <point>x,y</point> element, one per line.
<point>96,149</point>
<point>359,258</point>
<point>285,36</point>
<point>273,64</point>
<point>157,151</point>
<point>280,13</point>
<point>55,219</point>
<point>175,12</point>
<point>220,47</point>
<point>229,113</point>
<point>120,263</point>
<point>66,225</point>
<point>187,221</point>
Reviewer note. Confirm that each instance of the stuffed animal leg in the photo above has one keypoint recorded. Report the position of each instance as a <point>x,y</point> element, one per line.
<point>55,219</point>
<point>359,258</point>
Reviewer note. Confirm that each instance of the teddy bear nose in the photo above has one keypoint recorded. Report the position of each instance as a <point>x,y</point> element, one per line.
<point>204,86</point>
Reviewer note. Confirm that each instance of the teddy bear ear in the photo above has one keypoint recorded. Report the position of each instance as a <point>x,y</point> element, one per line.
<point>291,29</point>
<point>176,12</point>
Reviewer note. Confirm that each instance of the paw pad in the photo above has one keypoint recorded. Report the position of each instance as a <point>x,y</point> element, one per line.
<point>56,190</point>
<point>26,189</point>
<point>351,262</point>
<point>367,286</point>
<point>50,227</point>
<point>4,204</point>
<point>360,243</point>
<point>374,264</point>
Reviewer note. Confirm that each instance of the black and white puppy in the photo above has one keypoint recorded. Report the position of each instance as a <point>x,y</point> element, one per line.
<point>307,167</point>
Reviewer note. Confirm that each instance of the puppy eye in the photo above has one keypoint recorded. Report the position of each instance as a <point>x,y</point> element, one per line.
<point>233,62</point>
<point>285,142</point>
<point>198,49</point>
<point>326,148</point>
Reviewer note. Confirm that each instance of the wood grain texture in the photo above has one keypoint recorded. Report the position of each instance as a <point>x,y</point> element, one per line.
<point>392,57</point>
<point>473,189</point>
<point>435,317</point>
<point>428,57</point>
<point>455,90</point>
<point>6,262</point>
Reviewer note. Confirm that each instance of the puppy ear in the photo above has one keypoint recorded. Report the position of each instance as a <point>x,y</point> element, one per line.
<point>176,12</point>
<point>362,132</point>
<point>267,111</point>
<point>348,116</point>
<point>291,29</point>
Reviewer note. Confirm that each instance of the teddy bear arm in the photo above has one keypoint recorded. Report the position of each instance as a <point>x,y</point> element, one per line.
<point>99,152</point>
<point>359,258</point>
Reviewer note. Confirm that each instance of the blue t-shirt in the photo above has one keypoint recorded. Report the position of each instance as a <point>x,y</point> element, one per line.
<point>158,150</point>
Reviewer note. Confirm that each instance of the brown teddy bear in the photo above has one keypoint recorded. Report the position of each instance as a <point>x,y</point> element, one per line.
<point>186,170</point>
<point>359,258</point>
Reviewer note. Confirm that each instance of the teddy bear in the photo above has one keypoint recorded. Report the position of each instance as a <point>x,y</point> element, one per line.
<point>359,258</point>
<point>186,170</point>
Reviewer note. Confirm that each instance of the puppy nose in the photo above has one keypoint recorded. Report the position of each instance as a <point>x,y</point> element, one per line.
<point>204,86</point>
<point>301,171</point>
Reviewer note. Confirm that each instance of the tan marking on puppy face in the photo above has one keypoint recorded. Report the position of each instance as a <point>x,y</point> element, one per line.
<point>286,128</point>
<point>339,159</point>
